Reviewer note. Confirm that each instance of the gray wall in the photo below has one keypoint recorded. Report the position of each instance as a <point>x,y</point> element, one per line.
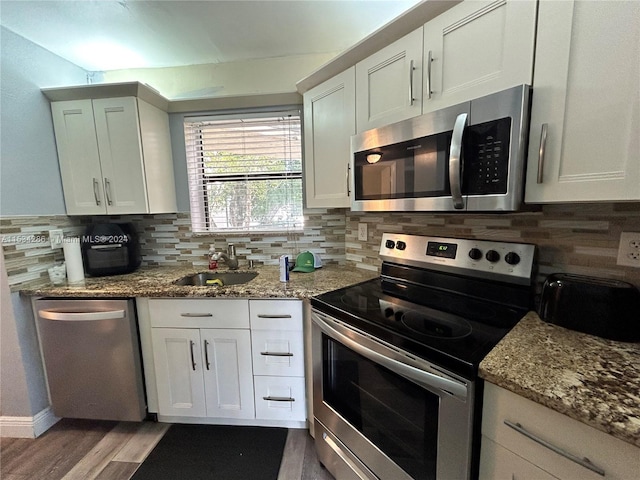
<point>29,185</point>
<point>29,175</point>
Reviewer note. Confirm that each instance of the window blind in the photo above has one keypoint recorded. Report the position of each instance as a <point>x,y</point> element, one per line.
<point>245,172</point>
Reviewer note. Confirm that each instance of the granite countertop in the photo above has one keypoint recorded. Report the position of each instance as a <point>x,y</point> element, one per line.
<point>590,379</point>
<point>158,282</point>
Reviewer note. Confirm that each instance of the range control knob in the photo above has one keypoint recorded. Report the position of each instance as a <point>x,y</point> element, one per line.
<point>398,315</point>
<point>475,253</point>
<point>512,258</point>
<point>388,312</point>
<point>492,256</point>
<point>401,245</point>
<point>390,244</point>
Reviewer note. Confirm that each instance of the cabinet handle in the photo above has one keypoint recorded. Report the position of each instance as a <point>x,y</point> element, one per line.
<point>107,190</point>
<point>429,60</point>
<point>276,354</point>
<point>348,178</point>
<point>191,315</point>
<point>96,191</point>
<point>206,355</point>
<point>279,399</point>
<point>265,315</point>
<point>193,359</point>
<point>584,462</point>
<point>455,161</point>
<point>542,151</point>
<point>411,69</point>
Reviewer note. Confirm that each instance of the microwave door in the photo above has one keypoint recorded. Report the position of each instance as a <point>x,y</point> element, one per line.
<point>456,165</point>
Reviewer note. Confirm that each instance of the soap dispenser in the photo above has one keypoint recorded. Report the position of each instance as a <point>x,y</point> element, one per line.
<point>213,258</point>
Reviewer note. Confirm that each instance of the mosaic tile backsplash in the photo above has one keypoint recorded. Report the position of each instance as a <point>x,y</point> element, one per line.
<point>581,239</point>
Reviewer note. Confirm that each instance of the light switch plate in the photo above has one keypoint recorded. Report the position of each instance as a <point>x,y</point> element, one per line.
<point>55,238</point>
<point>362,232</point>
<point>629,249</point>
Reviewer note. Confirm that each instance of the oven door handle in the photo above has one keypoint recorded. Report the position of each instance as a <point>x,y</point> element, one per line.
<point>421,377</point>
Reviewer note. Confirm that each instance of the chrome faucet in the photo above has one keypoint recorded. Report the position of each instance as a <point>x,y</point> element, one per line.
<point>229,257</point>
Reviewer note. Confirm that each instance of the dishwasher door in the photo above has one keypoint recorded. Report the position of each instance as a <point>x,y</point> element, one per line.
<point>92,358</point>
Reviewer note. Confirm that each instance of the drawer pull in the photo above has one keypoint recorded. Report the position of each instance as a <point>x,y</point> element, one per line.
<point>195,315</point>
<point>264,315</point>
<point>277,354</point>
<point>584,462</point>
<point>279,399</point>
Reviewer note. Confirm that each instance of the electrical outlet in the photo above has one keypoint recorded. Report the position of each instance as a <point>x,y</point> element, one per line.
<point>55,238</point>
<point>362,232</point>
<point>629,249</point>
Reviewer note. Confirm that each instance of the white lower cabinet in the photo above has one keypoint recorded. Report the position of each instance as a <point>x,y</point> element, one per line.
<point>203,372</point>
<point>525,440</point>
<point>226,361</point>
<point>278,359</point>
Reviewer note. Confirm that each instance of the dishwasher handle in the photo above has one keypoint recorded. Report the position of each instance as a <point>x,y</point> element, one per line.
<point>81,316</point>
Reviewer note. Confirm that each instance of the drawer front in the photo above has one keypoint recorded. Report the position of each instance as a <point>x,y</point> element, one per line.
<point>199,313</point>
<point>276,314</point>
<point>498,463</point>
<point>280,398</point>
<point>547,438</point>
<point>277,352</point>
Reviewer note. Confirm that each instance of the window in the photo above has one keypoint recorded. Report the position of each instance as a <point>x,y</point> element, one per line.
<point>245,172</point>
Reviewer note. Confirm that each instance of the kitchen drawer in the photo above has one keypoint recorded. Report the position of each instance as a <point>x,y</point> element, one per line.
<point>498,463</point>
<point>280,398</point>
<point>276,314</point>
<point>199,313</point>
<point>618,459</point>
<point>277,352</point>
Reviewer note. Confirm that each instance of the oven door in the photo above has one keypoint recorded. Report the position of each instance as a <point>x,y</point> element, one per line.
<point>383,413</point>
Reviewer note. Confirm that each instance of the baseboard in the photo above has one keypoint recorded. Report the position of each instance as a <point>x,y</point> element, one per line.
<point>28,427</point>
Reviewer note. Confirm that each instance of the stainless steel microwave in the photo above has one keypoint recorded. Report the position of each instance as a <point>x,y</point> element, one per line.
<point>468,157</point>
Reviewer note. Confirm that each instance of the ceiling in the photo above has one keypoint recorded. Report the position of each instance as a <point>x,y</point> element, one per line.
<point>102,35</point>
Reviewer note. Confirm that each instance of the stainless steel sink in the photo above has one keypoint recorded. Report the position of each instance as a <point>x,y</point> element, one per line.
<point>212,279</point>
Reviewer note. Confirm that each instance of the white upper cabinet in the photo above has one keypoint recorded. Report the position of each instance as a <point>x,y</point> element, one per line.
<point>584,143</point>
<point>329,122</point>
<point>115,156</point>
<point>477,48</point>
<point>389,83</point>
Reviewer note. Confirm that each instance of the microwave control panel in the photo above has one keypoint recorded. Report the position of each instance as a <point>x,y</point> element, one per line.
<point>486,157</point>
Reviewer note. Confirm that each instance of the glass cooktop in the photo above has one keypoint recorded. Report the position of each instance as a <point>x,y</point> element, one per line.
<point>453,330</point>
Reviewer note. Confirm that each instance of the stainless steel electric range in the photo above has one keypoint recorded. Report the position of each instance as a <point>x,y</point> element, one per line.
<point>395,359</point>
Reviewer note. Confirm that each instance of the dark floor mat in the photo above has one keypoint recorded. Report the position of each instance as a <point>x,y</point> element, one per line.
<point>215,452</point>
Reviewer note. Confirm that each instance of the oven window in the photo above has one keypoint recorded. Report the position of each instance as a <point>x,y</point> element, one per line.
<point>396,415</point>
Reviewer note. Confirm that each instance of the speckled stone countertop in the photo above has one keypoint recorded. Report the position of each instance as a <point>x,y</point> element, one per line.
<point>590,379</point>
<point>158,282</point>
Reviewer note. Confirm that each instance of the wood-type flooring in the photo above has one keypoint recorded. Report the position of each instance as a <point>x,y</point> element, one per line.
<point>100,450</point>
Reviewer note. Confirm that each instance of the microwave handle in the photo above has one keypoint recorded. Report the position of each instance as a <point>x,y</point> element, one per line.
<point>455,161</point>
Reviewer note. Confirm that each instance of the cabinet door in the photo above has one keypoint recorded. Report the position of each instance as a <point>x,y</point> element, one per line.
<point>477,48</point>
<point>78,157</point>
<point>228,376</point>
<point>389,83</point>
<point>178,367</point>
<point>118,134</point>
<point>586,99</point>
<point>329,122</point>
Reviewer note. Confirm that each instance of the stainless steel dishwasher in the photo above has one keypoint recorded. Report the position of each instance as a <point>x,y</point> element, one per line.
<point>92,358</point>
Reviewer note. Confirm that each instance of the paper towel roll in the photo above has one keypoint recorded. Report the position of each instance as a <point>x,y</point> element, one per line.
<point>73,259</point>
